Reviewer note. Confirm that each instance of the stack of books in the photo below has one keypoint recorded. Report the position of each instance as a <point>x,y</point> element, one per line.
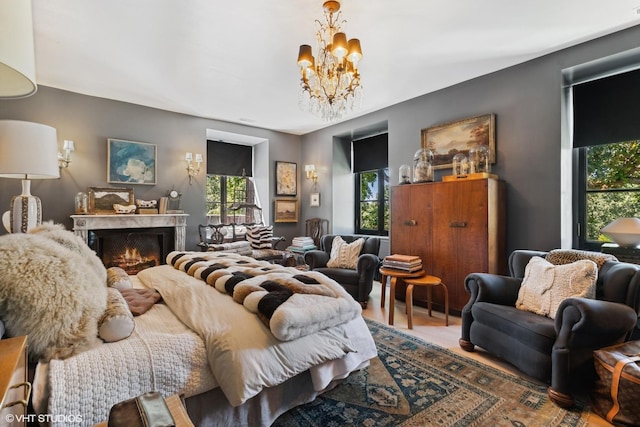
<point>409,263</point>
<point>302,245</point>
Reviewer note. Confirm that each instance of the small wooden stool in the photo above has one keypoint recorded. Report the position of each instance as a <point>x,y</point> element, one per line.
<point>394,274</point>
<point>429,282</point>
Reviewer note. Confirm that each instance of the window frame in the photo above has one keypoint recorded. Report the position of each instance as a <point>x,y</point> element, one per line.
<point>382,199</point>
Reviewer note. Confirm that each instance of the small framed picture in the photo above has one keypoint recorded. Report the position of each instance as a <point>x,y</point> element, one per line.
<point>315,199</point>
<point>101,200</point>
<point>285,210</point>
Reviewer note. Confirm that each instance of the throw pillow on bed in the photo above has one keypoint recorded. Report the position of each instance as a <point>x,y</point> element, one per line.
<point>343,254</point>
<point>545,285</point>
<point>118,278</point>
<point>116,322</point>
<point>260,236</point>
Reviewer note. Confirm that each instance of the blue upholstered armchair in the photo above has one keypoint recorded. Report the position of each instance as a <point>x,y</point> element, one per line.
<point>556,351</point>
<point>357,282</point>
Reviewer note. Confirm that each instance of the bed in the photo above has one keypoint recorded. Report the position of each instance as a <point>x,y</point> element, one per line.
<point>220,353</point>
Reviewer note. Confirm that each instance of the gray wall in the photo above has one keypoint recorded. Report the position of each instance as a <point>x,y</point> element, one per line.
<point>529,137</point>
<point>89,121</point>
<point>526,100</point>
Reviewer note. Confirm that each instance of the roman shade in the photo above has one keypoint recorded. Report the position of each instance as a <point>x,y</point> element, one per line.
<point>606,110</point>
<point>228,159</point>
<point>370,153</point>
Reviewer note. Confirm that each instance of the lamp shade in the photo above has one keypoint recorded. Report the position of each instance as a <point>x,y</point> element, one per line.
<point>28,150</point>
<point>623,231</point>
<point>17,58</point>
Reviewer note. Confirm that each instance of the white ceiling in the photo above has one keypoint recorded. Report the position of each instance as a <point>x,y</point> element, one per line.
<point>236,60</point>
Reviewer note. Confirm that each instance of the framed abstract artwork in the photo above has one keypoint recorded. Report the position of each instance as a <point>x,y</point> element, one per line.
<point>286,179</point>
<point>130,162</point>
<point>315,199</point>
<point>448,139</point>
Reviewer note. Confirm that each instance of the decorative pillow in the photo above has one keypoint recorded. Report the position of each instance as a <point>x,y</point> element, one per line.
<point>52,289</point>
<point>116,322</point>
<point>545,285</point>
<point>567,256</point>
<point>260,236</point>
<point>118,278</point>
<point>242,247</point>
<point>343,254</point>
<point>140,300</point>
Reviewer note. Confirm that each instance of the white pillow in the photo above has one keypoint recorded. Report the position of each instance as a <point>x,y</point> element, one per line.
<point>117,321</point>
<point>545,285</point>
<point>343,254</point>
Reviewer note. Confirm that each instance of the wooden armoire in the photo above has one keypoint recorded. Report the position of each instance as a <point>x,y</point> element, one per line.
<point>456,227</point>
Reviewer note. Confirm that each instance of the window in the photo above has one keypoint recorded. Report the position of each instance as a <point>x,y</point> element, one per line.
<point>230,192</point>
<point>372,203</point>
<point>609,188</point>
<point>370,166</point>
<point>606,136</point>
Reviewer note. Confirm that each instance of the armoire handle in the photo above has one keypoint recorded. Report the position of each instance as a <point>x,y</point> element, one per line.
<point>411,223</point>
<point>457,224</point>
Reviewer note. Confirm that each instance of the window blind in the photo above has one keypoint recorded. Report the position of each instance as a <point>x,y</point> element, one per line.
<point>607,110</point>
<point>370,153</point>
<point>224,158</point>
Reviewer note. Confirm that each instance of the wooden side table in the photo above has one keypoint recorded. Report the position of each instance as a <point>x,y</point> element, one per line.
<point>429,282</point>
<point>14,387</point>
<point>394,274</point>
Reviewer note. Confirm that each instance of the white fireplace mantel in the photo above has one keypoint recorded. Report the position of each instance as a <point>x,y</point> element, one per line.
<point>82,224</point>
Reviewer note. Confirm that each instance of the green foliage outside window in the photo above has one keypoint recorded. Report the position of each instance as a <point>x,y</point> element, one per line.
<point>374,201</point>
<point>613,185</point>
<point>222,193</point>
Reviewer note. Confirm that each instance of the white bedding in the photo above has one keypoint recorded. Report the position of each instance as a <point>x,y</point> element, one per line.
<point>89,383</point>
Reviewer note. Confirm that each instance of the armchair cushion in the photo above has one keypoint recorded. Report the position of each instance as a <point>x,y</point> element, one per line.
<point>343,254</point>
<point>546,285</point>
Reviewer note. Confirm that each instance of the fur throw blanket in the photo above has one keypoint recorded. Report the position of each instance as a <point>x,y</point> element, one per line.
<point>291,303</point>
<point>53,289</point>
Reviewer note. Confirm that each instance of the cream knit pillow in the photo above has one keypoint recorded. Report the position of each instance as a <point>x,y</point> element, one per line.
<point>545,285</point>
<point>343,254</point>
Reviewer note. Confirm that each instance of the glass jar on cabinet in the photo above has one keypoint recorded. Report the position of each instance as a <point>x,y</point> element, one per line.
<point>405,174</point>
<point>422,166</point>
<point>479,159</point>
<point>81,203</point>
<point>460,164</point>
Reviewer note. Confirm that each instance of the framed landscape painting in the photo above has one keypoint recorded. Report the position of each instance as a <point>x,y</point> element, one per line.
<point>285,210</point>
<point>130,162</point>
<point>448,139</point>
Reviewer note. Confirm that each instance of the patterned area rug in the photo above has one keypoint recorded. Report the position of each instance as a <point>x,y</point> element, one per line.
<point>414,383</point>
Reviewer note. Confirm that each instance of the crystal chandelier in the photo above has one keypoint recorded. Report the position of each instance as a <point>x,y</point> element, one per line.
<point>331,83</point>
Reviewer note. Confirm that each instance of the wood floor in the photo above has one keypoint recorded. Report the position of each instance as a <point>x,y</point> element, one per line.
<point>433,330</point>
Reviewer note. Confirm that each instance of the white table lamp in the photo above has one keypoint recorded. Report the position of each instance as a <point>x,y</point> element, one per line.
<point>27,151</point>
<point>624,231</point>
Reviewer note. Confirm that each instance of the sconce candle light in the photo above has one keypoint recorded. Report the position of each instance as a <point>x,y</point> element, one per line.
<point>193,170</point>
<point>64,159</point>
<point>310,171</point>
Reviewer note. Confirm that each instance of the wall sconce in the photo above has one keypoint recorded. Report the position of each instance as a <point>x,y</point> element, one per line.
<point>192,169</point>
<point>65,159</point>
<point>310,170</point>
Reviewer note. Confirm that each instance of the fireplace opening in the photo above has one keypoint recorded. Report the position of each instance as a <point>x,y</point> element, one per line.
<point>133,250</point>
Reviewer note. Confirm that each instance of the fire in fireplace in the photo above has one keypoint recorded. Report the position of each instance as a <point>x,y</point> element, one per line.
<point>132,249</point>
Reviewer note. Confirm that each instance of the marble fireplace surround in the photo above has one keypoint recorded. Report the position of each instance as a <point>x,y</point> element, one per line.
<point>83,224</point>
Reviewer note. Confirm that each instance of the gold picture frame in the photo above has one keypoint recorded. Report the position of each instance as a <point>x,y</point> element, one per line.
<point>101,200</point>
<point>286,179</point>
<point>285,210</point>
<point>448,139</point>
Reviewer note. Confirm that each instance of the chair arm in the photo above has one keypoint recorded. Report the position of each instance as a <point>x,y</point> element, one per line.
<point>584,322</point>
<point>492,288</point>
<point>366,267</point>
<point>275,241</point>
<point>316,259</point>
